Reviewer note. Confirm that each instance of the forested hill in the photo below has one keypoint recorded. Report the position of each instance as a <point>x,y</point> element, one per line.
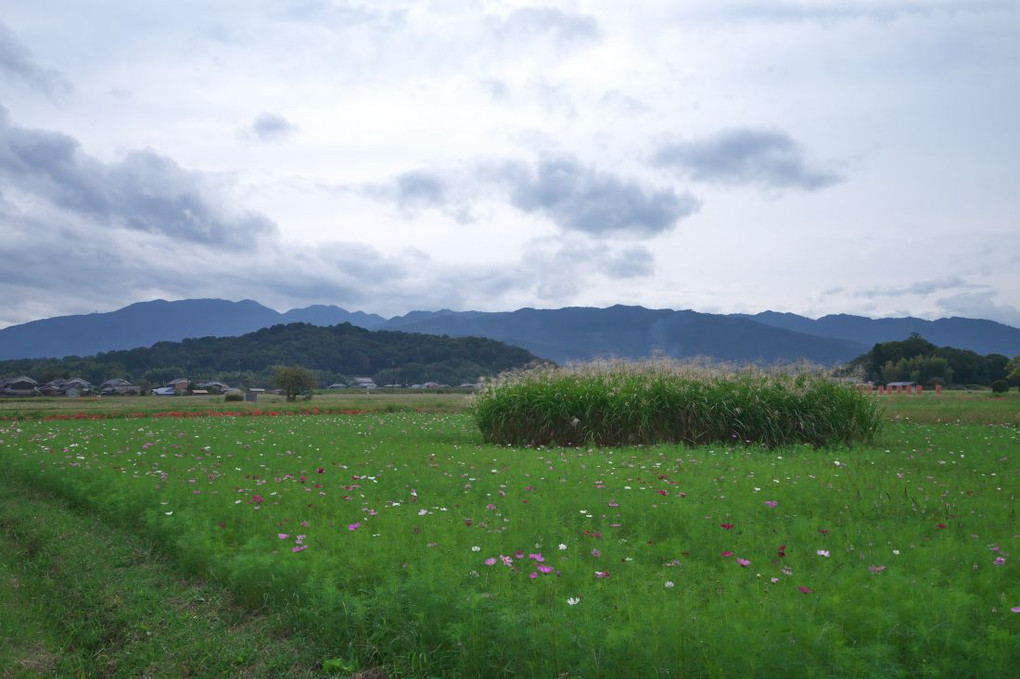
<point>335,353</point>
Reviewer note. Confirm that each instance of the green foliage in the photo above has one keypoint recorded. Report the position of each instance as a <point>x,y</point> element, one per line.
<point>233,397</point>
<point>331,352</point>
<point>294,380</point>
<point>917,360</point>
<point>1000,387</point>
<point>663,402</point>
<point>927,370</point>
<point>1012,369</point>
<point>786,563</point>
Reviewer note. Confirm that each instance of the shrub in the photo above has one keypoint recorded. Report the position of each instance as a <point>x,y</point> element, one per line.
<point>630,403</point>
<point>1000,387</point>
<point>233,396</point>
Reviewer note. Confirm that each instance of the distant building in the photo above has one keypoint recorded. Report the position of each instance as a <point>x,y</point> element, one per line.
<point>180,385</point>
<point>119,387</point>
<point>71,388</point>
<point>19,386</point>
<point>214,387</point>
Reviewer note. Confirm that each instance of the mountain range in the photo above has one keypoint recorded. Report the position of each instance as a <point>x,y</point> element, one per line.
<point>560,335</point>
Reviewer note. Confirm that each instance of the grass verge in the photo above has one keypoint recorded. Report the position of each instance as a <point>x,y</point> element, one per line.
<point>81,599</point>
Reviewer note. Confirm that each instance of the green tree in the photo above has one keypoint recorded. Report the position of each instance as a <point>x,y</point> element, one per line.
<point>294,380</point>
<point>1013,369</point>
<point>388,376</point>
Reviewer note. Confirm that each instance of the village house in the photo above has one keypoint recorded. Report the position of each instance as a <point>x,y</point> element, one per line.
<point>19,386</point>
<point>180,385</point>
<point>72,388</point>
<point>213,387</point>
<point>119,387</point>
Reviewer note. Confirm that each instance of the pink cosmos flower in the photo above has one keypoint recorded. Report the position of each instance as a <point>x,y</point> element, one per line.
<point>999,561</point>
<point>1015,609</point>
<point>354,526</point>
<point>545,569</point>
<point>726,526</point>
<point>282,536</point>
<point>601,574</point>
<point>876,569</point>
<point>743,562</point>
<point>805,590</point>
<point>771,503</point>
<point>533,575</point>
<point>320,470</point>
<point>727,554</point>
<point>298,548</point>
<point>491,561</point>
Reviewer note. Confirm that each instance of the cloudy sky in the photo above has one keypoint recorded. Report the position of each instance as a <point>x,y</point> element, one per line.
<point>843,156</point>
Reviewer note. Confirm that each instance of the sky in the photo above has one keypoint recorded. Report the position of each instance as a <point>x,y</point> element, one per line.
<point>726,156</point>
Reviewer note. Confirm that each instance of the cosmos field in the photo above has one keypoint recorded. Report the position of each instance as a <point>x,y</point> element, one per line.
<point>402,541</point>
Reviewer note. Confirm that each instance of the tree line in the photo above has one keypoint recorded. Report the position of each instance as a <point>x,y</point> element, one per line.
<point>915,359</point>
<point>334,354</point>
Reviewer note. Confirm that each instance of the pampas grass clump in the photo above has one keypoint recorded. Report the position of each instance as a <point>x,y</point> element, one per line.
<point>663,401</point>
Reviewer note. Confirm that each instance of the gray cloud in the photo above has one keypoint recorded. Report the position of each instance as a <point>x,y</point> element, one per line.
<point>581,198</point>
<point>979,305</point>
<point>767,158</point>
<point>18,61</point>
<point>420,188</point>
<point>270,127</point>
<point>574,196</point>
<point>565,29</point>
<point>635,262</point>
<point>144,192</point>
<point>561,267</point>
<point>927,287</point>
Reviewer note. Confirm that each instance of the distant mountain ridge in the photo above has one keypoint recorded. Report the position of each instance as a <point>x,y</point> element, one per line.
<point>145,323</point>
<point>566,334</point>
<point>980,336</point>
